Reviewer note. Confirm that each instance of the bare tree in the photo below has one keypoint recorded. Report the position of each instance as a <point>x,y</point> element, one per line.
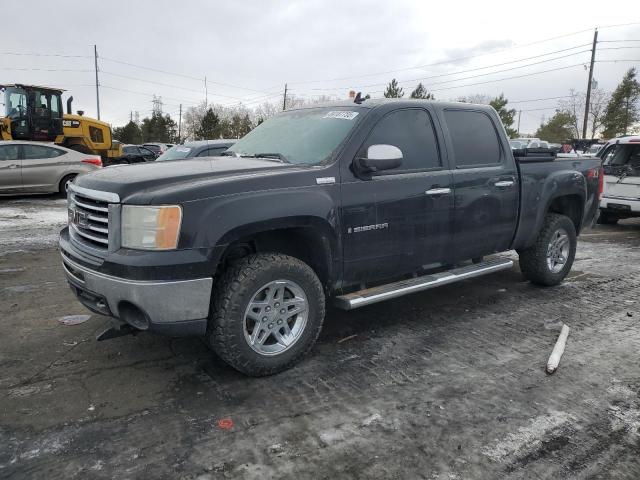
<point>597,108</point>
<point>477,98</point>
<point>574,106</point>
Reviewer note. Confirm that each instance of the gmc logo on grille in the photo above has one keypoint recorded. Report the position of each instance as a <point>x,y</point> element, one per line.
<point>78,218</point>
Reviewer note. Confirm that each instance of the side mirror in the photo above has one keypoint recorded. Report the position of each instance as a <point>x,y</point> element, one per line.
<point>381,157</point>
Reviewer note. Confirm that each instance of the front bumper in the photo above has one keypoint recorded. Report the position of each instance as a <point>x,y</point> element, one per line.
<point>178,307</point>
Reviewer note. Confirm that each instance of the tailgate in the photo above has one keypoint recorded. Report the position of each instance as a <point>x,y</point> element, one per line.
<point>627,187</point>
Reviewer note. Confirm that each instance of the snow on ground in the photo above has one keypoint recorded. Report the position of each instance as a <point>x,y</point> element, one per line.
<point>30,223</point>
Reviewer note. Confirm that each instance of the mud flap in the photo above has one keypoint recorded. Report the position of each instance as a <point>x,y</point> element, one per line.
<point>114,329</point>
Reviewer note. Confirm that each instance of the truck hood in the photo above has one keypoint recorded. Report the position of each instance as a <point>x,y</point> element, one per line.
<point>181,180</point>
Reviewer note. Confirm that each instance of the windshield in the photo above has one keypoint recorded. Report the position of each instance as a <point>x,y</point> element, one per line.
<point>308,136</point>
<point>175,153</point>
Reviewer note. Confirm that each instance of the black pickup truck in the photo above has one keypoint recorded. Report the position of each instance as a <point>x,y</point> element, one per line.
<point>348,203</point>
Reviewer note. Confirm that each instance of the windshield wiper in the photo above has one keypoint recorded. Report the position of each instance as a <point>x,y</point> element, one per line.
<point>274,156</point>
<point>269,156</point>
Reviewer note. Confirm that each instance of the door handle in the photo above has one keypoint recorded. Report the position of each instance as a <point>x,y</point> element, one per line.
<point>13,165</point>
<point>438,191</point>
<point>504,183</point>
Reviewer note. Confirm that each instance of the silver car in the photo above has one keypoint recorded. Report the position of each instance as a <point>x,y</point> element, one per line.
<point>37,167</point>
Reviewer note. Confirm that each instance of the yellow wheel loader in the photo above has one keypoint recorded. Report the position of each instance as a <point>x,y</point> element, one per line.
<point>35,113</point>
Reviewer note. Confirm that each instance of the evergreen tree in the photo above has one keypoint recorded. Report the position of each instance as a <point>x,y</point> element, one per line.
<point>421,92</point>
<point>159,128</point>
<point>558,129</point>
<point>210,127</point>
<point>130,133</point>
<point>507,116</point>
<point>623,109</point>
<point>245,125</point>
<point>393,90</point>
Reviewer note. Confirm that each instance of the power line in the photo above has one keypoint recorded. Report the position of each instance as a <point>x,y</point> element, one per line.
<point>199,79</point>
<point>539,99</point>
<point>444,62</point>
<point>46,69</point>
<point>26,54</point>
<point>471,70</point>
<point>500,79</point>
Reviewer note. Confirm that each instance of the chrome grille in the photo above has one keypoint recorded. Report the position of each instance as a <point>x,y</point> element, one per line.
<point>89,217</point>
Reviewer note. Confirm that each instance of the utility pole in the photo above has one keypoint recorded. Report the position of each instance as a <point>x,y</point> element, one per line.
<point>131,116</point>
<point>588,99</point>
<point>206,93</point>
<point>180,123</point>
<point>95,60</point>
<point>284,99</point>
<point>519,113</point>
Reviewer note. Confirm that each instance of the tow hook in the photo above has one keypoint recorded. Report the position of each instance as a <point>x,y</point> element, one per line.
<point>114,329</point>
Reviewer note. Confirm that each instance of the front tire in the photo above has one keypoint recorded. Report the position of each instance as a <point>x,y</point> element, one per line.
<point>267,312</point>
<point>548,261</point>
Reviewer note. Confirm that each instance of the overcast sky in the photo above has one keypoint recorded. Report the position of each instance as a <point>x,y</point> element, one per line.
<point>248,50</point>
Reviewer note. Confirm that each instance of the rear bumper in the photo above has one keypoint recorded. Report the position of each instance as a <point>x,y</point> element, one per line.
<point>612,204</point>
<point>168,307</point>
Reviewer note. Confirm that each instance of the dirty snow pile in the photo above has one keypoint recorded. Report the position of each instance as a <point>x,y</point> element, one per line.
<point>30,224</point>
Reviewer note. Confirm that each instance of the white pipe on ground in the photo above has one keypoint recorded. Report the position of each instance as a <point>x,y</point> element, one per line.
<point>558,350</point>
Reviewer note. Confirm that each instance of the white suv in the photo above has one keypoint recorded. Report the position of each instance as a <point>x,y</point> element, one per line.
<point>621,162</point>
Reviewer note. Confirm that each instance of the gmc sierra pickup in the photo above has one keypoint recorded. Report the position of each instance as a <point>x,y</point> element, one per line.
<point>355,203</point>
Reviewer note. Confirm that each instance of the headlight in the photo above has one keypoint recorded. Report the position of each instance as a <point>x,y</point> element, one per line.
<point>151,228</point>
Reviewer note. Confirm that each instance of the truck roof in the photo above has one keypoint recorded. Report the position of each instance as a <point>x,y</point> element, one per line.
<point>37,87</point>
<point>378,102</point>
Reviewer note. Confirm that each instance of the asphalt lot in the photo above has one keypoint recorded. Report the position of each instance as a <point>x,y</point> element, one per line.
<point>446,384</point>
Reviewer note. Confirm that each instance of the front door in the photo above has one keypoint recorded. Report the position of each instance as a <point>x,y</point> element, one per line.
<point>398,221</point>
<point>10,171</point>
<point>485,179</point>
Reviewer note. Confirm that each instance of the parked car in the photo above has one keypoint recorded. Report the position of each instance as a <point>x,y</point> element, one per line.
<point>200,148</point>
<point>349,203</point>
<point>37,167</point>
<point>593,150</point>
<point>621,197</point>
<point>158,148</point>
<point>136,154</point>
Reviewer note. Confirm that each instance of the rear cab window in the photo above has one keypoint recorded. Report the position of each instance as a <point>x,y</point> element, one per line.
<point>474,138</point>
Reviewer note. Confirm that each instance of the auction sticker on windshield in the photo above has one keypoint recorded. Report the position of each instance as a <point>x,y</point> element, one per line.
<point>344,115</point>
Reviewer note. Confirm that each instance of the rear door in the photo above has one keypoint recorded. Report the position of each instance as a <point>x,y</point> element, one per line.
<point>42,167</point>
<point>10,169</point>
<point>485,179</point>
<point>392,222</point>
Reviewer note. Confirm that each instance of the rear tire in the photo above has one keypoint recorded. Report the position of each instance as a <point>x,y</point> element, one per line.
<point>606,218</point>
<point>63,188</point>
<point>548,261</point>
<point>267,286</point>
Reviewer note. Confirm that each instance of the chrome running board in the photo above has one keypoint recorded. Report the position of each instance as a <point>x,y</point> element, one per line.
<point>426,282</point>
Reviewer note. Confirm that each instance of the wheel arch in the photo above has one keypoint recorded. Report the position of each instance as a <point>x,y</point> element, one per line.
<point>310,239</point>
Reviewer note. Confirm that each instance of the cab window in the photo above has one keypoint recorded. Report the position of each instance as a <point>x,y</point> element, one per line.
<point>16,102</point>
<point>411,130</point>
